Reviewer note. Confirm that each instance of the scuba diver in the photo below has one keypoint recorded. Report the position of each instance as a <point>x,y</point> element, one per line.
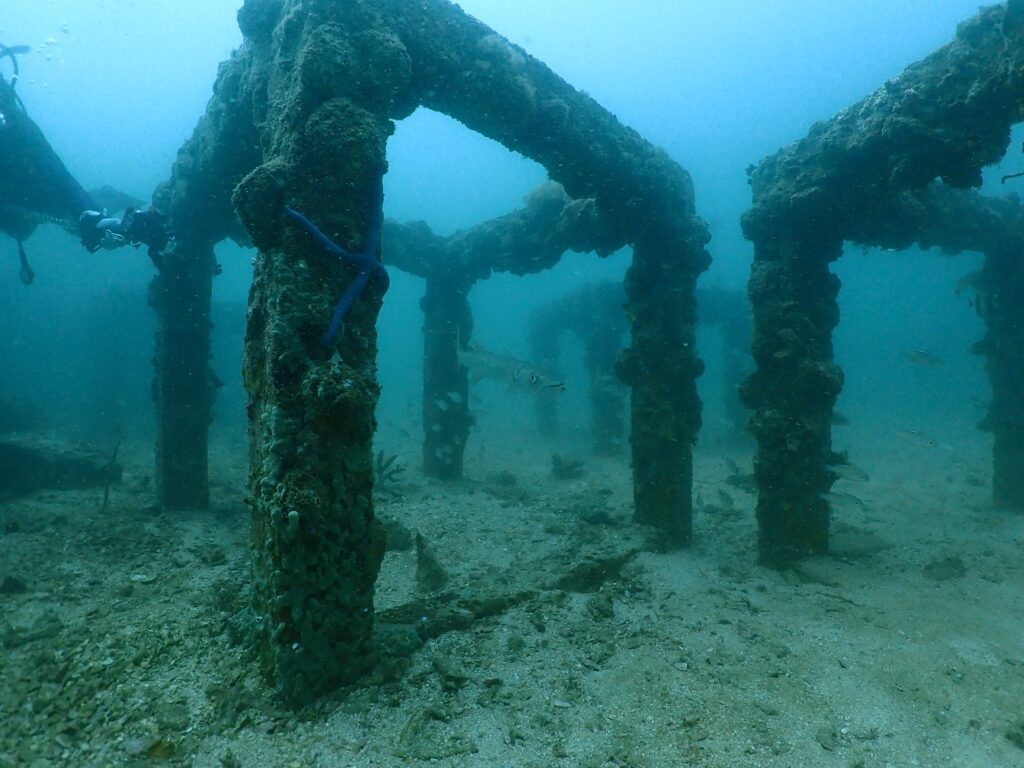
<point>36,187</point>
<point>135,228</point>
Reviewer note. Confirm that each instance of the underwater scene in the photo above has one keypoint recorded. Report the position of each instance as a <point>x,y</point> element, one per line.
<point>595,384</point>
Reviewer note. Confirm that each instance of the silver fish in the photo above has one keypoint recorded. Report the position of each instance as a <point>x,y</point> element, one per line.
<point>972,280</point>
<point>922,357</point>
<point>516,373</point>
<point>841,500</point>
<point>918,438</point>
<point>849,472</point>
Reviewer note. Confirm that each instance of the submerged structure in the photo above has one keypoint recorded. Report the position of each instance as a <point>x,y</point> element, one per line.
<point>526,241</point>
<point>300,119</point>
<point>529,240</point>
<point>868,176</point>
<point>593,316</point>
<point>35,186</point>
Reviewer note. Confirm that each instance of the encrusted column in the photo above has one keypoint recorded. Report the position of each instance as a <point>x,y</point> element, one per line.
<point>183,382</point>
<point>446,418</point>
<point>662,367</point>
<point>197,200</point>
<point>317,546</point>
<point>1000,290</point>
<point>792,393</point>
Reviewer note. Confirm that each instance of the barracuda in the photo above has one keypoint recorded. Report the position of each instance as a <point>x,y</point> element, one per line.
<point>516,373</point>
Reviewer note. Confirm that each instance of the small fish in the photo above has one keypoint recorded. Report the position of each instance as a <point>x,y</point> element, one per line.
<point>922,358</point>
<point>849,472</point>
<point>921,440</point>
<point>839,420</point>
<point>841,500</point>
<point>917,437</point>
<point>455,397</point>
<point>972,280</point>
<point>516,373</point>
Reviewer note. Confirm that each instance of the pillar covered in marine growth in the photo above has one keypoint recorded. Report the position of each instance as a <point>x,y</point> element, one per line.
<point>317,547</point>
<point>792,393</point>
<point>662,366</point>
<point>197,200</point>
<point>446,416</point>
<point>1000,287</point>
<point>944,117</point>
<point>183,382</point>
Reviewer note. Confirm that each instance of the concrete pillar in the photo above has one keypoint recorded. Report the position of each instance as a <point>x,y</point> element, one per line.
<point>183,383</point>
<point>317,546</point>
<point>1000,288</point>
<point>792,393</point>
<point>446,419</point>
<point>662,367</point>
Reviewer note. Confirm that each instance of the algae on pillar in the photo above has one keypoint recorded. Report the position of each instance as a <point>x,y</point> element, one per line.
<point>641,196</point>
<point>945,117</point>
<point>792,394</point>
<point>317,546</point>
<point>183,383</point>
<point>1000,288</point>
<point>446,417</point>
<point>320,81</point>
<point>197,198</point>
<point>662,367</point>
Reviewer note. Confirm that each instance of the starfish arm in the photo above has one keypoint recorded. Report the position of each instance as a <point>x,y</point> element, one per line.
<point>322,240</point>
<point>365,260</point>
<point>344,303</point>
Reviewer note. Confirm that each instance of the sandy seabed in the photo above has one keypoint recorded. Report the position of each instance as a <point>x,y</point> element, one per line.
<point>905,647</point>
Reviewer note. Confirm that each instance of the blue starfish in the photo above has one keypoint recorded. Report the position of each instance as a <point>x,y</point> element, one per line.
<point>365,261</point>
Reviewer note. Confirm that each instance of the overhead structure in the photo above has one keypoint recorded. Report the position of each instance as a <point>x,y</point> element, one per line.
<point>945,118</point>
<point>529,240</point>
<point>300,118</point>
<point>35,186</point>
